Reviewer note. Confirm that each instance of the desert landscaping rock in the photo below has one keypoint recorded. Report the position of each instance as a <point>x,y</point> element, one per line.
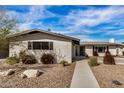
<point>31,73</point>
<point>23,76</point>
<point>67,64</point>
<point>6,73</point>
<point>116,82</point>
<point>53,76</point>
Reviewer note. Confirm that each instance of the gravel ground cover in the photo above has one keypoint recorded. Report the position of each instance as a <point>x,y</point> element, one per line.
<point>106,73</point>
<point>54,76</point>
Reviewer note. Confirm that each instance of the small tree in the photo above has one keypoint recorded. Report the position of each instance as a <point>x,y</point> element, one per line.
<point>95,53</point>
<point>6,25</point>
<point>108,58</point>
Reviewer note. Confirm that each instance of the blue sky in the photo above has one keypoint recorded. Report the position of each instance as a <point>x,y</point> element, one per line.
<point>89,23</point>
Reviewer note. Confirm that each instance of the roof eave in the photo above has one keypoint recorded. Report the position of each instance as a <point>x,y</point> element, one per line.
<point>48,32</point>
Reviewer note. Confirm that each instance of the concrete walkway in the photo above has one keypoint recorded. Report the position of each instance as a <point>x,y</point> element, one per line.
<point>83,76</point>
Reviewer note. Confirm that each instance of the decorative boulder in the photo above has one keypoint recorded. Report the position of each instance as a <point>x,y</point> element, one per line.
<point>116,82</point>
<point>7,73</point>
<point>23,76</point>
<point>31,73</point>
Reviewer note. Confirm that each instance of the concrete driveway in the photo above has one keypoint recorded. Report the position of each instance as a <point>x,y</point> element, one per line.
<point>118,60</point>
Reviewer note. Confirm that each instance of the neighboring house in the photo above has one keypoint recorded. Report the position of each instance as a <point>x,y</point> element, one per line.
<point>87,48</point>
<point>38,41</point>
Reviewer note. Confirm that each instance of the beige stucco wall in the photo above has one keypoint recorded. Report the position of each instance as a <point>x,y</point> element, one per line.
<point>101,54</point>
<point>62,47</point>
<point>16,47</point>
<point>112,50</point>
<point>89,50</point>
<point>73,51</point>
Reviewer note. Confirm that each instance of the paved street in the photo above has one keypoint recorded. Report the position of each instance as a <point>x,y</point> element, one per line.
<point>118,60</point>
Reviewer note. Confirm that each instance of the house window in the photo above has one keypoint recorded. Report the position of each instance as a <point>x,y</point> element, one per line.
<point>40,45</point>
<point>45,45</point>
<point>101,49</point>
<point>51,45</point>
<point>36,45</point>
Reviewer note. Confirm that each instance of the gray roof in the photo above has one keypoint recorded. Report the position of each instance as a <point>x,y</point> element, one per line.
<point>42,31</point>
<point>100,43</point>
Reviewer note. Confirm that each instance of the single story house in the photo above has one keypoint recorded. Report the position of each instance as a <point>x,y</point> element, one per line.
<point>87,48</point>
<point>38,41</point>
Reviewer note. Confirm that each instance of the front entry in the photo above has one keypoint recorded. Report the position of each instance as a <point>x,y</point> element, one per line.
<point>82,50</point>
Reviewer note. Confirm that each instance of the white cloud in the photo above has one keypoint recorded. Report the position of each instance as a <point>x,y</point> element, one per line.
<point>26,20</point>
<point>91,17</point>
<point>24,26</point>
<point>119,32</point>
<point>76,23</point>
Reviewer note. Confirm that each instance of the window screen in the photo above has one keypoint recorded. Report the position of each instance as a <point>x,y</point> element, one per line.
<point>51,46</point>
<point>40,45</point>
<point>36,45</point>
<point>45,45</point>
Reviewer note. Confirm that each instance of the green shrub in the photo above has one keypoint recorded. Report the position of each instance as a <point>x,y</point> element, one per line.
<point>93,61</point>
<point>64,63</point>
<point>22,54</point>
<point>27,59</point>
<point>12,60</point>
<point>48,58</point>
